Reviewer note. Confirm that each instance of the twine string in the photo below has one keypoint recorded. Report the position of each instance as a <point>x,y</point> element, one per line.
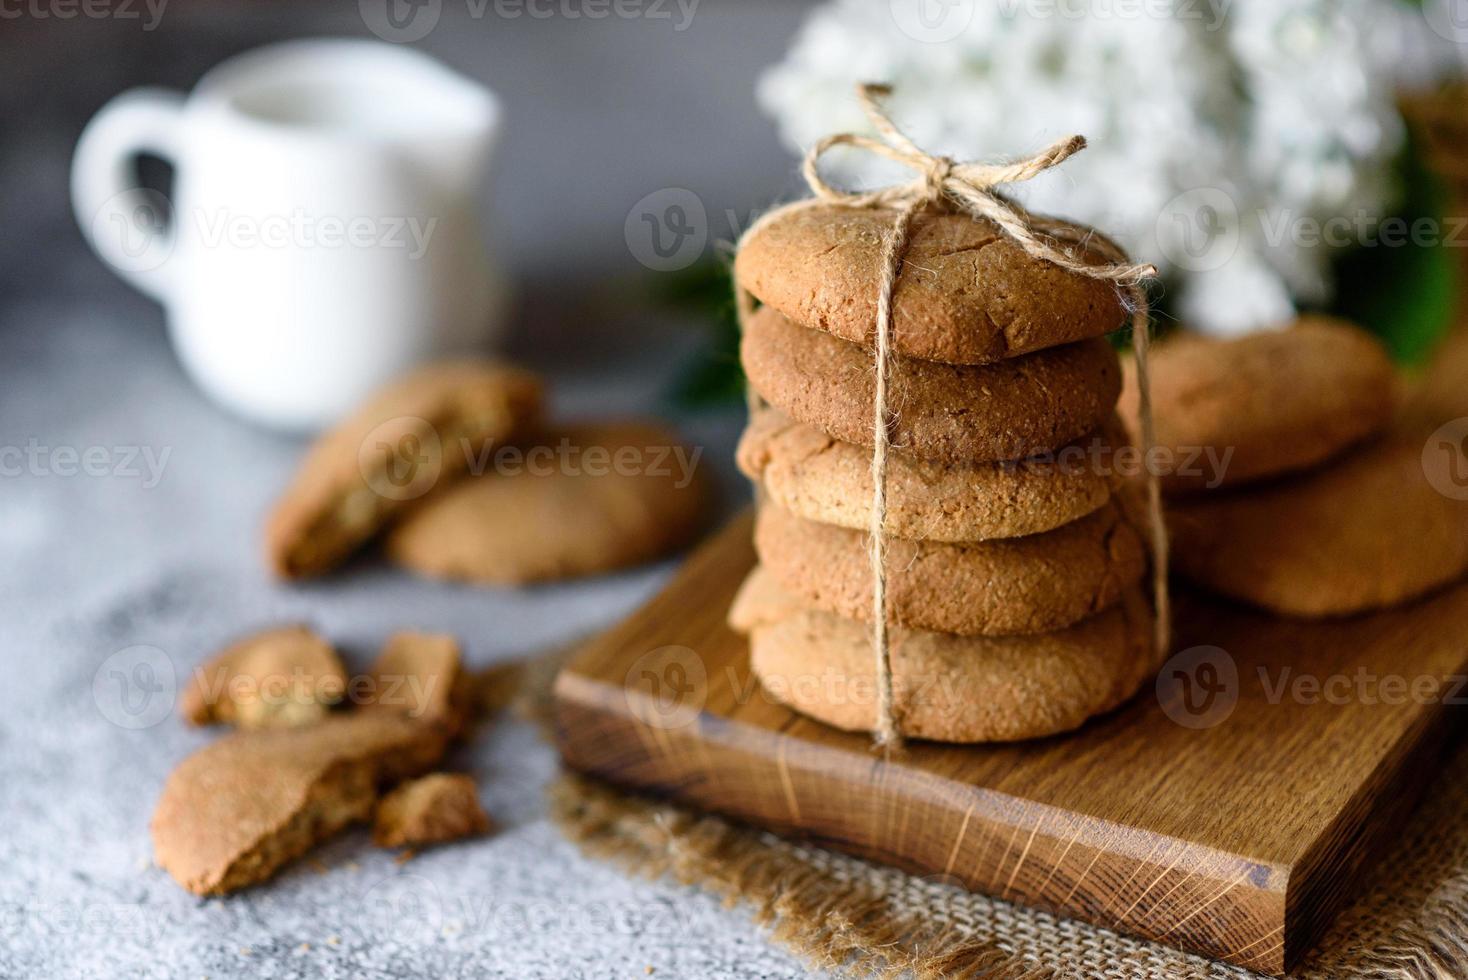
<point>893,251</point>
<point>970,188</point>
<point>1136,302</point>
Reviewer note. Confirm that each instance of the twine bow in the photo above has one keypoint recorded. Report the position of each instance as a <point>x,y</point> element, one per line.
<point>970,188</point>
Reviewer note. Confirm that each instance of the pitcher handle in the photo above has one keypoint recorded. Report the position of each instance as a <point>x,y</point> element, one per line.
<point>127,226</point>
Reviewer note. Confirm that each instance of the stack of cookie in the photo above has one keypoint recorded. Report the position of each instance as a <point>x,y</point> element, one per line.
<point>1293,485</point>
<point>1013,556</point>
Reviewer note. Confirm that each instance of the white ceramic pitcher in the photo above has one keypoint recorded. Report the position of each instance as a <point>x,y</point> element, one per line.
<point>324,231</point>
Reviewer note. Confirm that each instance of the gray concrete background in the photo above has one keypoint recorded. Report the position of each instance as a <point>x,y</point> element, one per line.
<point>599,114</point>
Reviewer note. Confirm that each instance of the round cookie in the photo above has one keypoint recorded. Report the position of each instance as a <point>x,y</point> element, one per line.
<point>1368,531</point>
<point>1008,585</point>
<point>966,294</point>
<point>822,479</point>
<point>602,497</point>
<point>946,688</point>
<point>1235,411</point>
<point>1015,408</point>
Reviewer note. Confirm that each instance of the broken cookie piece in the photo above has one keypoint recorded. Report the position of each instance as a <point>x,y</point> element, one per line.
<point>415,434</point>
<point>235,811</point>
<point>279,678</point>
<point>419,676</point>
<point>430,810</point>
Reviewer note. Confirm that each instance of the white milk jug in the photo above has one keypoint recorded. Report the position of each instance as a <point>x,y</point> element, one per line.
<point>324,229</point>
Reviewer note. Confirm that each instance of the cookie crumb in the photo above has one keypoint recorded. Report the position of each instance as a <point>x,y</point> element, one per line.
<point>430,810</point>
<point>420,676</point>
<point>279,678</point>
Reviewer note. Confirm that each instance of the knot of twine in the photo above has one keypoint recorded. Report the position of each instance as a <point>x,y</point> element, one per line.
<point>970,188</point>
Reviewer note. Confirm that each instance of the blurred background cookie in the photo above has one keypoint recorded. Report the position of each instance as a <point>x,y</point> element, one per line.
<point>1229,412</point>
<point>1369,530</point>
<point>1440,394</point>
<point>585,499</point>
<point>415,434</point>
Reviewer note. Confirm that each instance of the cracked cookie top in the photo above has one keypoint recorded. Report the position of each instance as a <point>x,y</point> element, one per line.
<point>965,295</point>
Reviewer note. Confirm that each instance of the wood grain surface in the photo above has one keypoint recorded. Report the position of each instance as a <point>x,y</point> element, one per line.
<point>1227,810</point>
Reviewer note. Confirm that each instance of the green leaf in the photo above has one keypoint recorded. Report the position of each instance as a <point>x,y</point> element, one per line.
<point>713,377</point>
<point>1405,294</point>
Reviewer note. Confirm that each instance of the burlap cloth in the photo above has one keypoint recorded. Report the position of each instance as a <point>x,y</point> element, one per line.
<point>1410,919</point>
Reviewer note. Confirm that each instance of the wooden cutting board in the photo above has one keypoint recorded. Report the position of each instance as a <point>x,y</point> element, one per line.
<point>1227,810</point>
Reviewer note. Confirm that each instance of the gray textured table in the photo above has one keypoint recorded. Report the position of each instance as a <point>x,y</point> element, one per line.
<point>127,565</point>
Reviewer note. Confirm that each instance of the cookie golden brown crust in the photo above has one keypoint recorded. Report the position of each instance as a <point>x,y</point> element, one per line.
<point>432,809</point>
<point>621,494</point>
<point>1015,408</point>
<point>1366,531</point>
<point>278,678</point>
<point>1034,584</point>
<point>966,294</point>
<point>822,479</point>
<point>1275,402</point>
<point>946,688</point>
<point>236,810</point>
<point>417,433</point>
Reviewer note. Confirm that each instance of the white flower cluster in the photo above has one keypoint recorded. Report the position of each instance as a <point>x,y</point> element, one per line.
<point>1224,134</point>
